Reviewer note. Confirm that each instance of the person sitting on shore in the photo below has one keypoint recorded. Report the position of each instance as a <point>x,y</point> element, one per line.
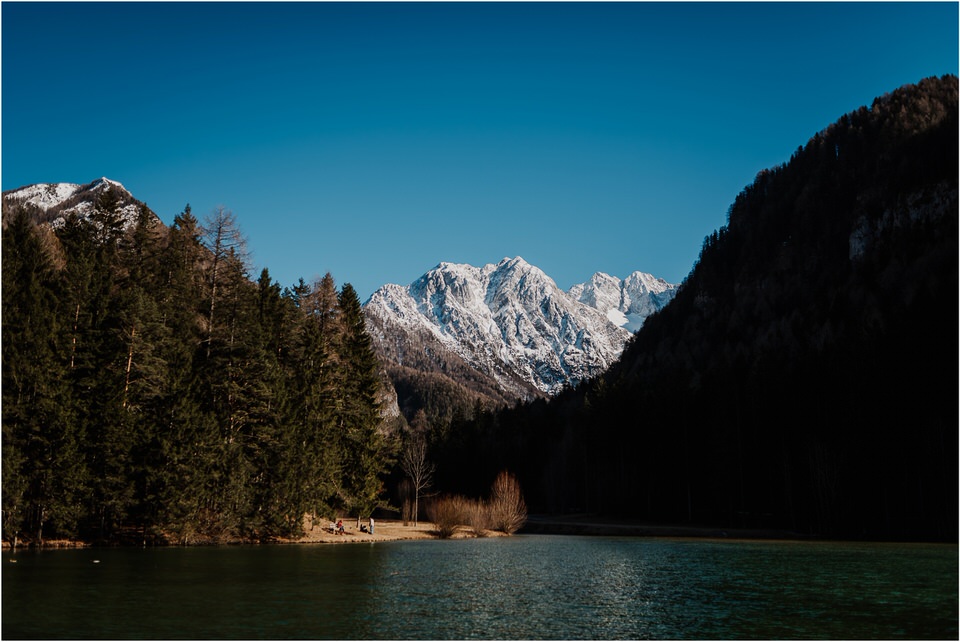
<point>340,530</point>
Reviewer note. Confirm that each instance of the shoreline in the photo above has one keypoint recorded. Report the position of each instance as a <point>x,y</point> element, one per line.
<point>590,525</point>
<point>385,530</point>
<point>388,530</point>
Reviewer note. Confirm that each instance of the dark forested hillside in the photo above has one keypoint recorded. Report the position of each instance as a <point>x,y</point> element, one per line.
<point>153,392</point>
<point>805,376</point>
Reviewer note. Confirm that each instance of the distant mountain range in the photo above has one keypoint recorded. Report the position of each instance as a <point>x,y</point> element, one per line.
<point>512,324</point>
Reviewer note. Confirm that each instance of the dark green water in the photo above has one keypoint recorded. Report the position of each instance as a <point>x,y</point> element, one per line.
<point>525,587</point>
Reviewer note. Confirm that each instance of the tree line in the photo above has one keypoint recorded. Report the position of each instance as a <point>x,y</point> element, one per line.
<point>153,392</point>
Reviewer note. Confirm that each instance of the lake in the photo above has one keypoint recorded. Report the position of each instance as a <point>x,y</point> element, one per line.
<point>523,587</point>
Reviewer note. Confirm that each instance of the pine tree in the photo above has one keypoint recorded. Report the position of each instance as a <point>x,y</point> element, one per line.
<point>359,408</point>
<point>99,376</point>
<point>142,292</point>
<point>230,377</point>
<point>183,435</point>
<point>316,462</point>
<point>273,447</point>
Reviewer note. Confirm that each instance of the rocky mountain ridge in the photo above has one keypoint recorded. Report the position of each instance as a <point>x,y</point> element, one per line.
<point>512,323</point>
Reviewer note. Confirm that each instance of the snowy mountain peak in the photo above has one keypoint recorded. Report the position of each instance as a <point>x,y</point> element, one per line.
<point>511,321</point>
<point>626,303</point>
<point>508,263</point>
<point>105,183</point>
<point>56,201</point>
<point>46,196</point>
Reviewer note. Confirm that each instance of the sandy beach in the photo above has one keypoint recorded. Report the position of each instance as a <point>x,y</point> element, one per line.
<point>385,530</point>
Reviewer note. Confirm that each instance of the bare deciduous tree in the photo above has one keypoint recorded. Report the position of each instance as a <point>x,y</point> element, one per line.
<point>406,501</point>
<point>418,468</point>
<point>222,236</point>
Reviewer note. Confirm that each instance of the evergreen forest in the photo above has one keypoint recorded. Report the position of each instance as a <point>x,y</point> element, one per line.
<point>154,393</point>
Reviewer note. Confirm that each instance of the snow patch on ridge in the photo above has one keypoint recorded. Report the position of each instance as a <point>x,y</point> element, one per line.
<point>43,195</point>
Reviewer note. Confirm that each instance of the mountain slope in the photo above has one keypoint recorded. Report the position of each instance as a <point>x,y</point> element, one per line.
<point>520,335</point>
<point>805,375</point>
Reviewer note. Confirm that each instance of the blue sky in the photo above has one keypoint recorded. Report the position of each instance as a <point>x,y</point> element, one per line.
<point>375,140</point>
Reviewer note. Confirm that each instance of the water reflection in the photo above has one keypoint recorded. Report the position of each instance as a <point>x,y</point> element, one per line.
<point>608,588</point>
<point>528,587</point>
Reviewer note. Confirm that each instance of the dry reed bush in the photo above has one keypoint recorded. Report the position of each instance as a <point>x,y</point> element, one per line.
<point>508,510</point>
<point>477,514</point>
<point>447,513</point>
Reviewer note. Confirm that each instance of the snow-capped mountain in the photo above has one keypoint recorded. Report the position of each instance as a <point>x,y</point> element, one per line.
<point>55,201</point>
<point>626,303</point>
<point>511,322</point>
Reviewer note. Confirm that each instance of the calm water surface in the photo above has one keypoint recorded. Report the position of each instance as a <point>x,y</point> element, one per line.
<point>525,587</point>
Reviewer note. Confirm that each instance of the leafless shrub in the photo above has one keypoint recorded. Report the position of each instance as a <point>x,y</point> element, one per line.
<point>477,516</point>
<point>508,510</point>
<point>446,513</point>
